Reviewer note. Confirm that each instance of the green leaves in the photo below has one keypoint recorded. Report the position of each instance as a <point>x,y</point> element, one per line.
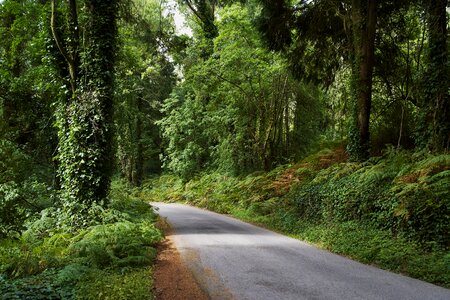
<point>117,245</point>
<point>239,110</point>
<point>110,256</point>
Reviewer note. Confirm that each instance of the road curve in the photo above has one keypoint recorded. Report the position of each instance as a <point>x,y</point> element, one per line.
<point>235,260</point>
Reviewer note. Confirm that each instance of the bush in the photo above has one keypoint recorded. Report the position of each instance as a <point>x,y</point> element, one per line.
<point>403,193</point>
<point>41,286</point>
<point>30,255</point>
<point>12,212</point>
<point>21,194</point>
<point>116,245</point>
<point>108,260</point>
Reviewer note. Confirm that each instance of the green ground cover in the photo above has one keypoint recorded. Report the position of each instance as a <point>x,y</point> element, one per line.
<point>112,259</point>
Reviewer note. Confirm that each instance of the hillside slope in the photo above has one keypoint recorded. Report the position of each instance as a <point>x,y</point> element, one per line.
<point>392,211</point>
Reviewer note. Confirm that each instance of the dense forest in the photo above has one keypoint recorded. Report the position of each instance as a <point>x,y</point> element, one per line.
<point>315,118</point>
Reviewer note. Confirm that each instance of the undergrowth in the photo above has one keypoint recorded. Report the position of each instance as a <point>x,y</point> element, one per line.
<point>392,211</point>
<point>109,260</point>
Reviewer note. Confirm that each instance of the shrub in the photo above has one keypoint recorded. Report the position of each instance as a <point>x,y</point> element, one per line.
<point>116,245</point>
<point>30,255</point>
<point>107,260</point>
<point>12,212</point>
<point>41,286</point>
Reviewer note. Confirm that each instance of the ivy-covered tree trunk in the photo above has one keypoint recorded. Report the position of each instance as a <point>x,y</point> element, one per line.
<point>364,21</point>
<point>85,118</point>
<point>435,123</point>
<point>98,79</point>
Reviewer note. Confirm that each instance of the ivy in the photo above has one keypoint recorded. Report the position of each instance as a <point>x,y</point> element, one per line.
<point>84,118</point>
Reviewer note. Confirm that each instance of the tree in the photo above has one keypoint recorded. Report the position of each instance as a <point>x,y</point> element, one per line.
<point>323,37</point>
<point>364,24</point>
<point>435,124</point>
<point>204,11</point>
<point>399,50</point>
<point>345,33</point>
<point>240,110</point>
<point>28,86</point>
<point>144,78</point>
<point>84,115</point>
<point>204,15</point>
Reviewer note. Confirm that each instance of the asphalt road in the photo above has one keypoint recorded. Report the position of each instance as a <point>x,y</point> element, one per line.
<point>235,260</point>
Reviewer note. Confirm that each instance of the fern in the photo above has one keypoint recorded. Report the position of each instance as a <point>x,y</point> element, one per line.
<point>113,245</point>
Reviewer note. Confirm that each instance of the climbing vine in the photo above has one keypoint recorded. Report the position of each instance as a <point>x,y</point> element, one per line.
<point>84,116</point>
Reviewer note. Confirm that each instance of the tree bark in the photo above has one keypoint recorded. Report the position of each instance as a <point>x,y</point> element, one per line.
<point>73,45</point>
<point>71,56</point>
<point>139,161</point>
<point>437,78</point>
<point>85,122</point>
<point>364,19</point>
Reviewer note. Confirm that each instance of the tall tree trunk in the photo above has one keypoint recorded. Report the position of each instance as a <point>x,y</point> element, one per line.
<point>98,77</point>
<point>85,121</point>
<point>436,104</point>
<point>364,21</point>
<point>204,10</point>
<point>73,45</point>
<point>287,145</point>
<point>69,52</point>
<point>139,161</point>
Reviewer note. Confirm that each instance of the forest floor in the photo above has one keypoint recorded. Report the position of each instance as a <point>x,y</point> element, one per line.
<point>172,279</point>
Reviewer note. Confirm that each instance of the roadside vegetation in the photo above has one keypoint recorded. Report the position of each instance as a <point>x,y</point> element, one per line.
<point>109,259</point>
<point>391,211</point>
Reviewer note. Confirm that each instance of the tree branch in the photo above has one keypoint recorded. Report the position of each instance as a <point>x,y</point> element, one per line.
<point>191,7</point>
<point>55,33</point>
<point>60,45</point>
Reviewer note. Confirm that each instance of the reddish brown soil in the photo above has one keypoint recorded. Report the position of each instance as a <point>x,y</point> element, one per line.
<point>173,280</point>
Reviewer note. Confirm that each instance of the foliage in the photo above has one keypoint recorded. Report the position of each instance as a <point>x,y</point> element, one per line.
<point>42,286</point>
<point>12,213</point>
<point>144,78</point>
<point>167,187</point>
<point>240,109</point>
<point>48,262</point>
<point>116,245</point>
<point>27,138</point>
<point>376,192</point>
<point>130,284</point>
<point>78,282</point>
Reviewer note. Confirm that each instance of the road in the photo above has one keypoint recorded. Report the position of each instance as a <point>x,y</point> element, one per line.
<point>235,260</point>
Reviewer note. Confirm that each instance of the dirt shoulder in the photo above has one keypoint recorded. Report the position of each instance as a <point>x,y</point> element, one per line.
<point>172,279</point>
